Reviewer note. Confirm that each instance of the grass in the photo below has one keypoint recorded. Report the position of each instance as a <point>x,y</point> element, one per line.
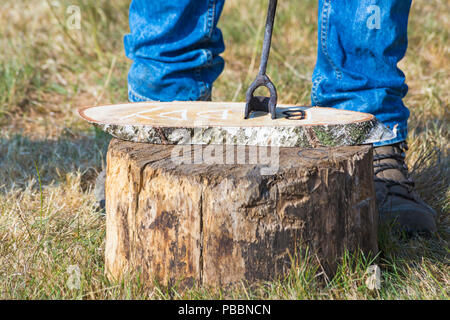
<point>49,158</point>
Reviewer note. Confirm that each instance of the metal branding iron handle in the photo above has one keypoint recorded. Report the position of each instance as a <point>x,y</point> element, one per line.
<point>263,103</point>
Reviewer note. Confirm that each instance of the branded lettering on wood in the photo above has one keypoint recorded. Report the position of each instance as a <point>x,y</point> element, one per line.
<point>223,123</point>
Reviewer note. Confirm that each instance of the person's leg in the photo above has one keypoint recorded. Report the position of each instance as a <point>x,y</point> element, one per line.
<point>175,48</point>
<point>360,44</point>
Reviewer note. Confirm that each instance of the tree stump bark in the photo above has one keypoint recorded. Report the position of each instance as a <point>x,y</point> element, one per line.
<point>216,224</point>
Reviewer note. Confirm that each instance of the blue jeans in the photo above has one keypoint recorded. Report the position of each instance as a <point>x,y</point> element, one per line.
<point>176,45</point>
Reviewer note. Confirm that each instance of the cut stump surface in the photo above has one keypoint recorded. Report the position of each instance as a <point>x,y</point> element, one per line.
<point>217,224</point>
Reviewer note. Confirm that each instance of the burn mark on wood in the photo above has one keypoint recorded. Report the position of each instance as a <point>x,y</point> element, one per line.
<point>166,219</point>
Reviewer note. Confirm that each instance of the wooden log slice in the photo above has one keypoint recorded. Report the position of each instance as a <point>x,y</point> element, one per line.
<point>223,123</point>
<point>180,213</point>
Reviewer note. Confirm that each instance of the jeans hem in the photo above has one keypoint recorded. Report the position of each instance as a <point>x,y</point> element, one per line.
<point>136,97</point>
<point>315,85</point>
<point>401,136</point>
<point>133,96</point>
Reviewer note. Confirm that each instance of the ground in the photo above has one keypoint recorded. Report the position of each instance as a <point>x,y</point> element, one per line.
<point>49,229</point>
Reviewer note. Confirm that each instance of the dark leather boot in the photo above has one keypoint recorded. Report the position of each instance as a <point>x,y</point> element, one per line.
<point>396,199</point>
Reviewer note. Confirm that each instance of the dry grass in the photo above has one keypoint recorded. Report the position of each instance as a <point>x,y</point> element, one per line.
<point>49,158</point>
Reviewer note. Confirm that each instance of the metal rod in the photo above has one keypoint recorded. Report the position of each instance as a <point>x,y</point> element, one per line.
<point>268,36</point>
<point>263,103</point>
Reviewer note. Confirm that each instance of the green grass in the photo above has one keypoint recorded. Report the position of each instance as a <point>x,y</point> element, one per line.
<point>49,158</point>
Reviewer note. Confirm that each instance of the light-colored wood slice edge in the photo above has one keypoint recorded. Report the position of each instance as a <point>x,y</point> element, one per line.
<point>214,114</point>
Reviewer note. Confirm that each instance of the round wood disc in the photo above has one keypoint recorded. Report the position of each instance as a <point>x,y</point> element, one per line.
<point>224,123</point>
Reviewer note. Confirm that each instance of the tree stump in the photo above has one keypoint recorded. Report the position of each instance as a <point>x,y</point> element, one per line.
<point>178,218</point>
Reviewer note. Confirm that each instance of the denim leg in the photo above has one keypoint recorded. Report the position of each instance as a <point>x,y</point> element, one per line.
<point>360,44</point>
<point>175,48</point>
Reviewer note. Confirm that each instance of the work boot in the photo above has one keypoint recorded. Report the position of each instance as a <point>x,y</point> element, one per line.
<point>397,201</point>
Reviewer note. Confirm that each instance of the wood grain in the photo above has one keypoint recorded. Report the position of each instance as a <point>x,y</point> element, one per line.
<point>217,224</point>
